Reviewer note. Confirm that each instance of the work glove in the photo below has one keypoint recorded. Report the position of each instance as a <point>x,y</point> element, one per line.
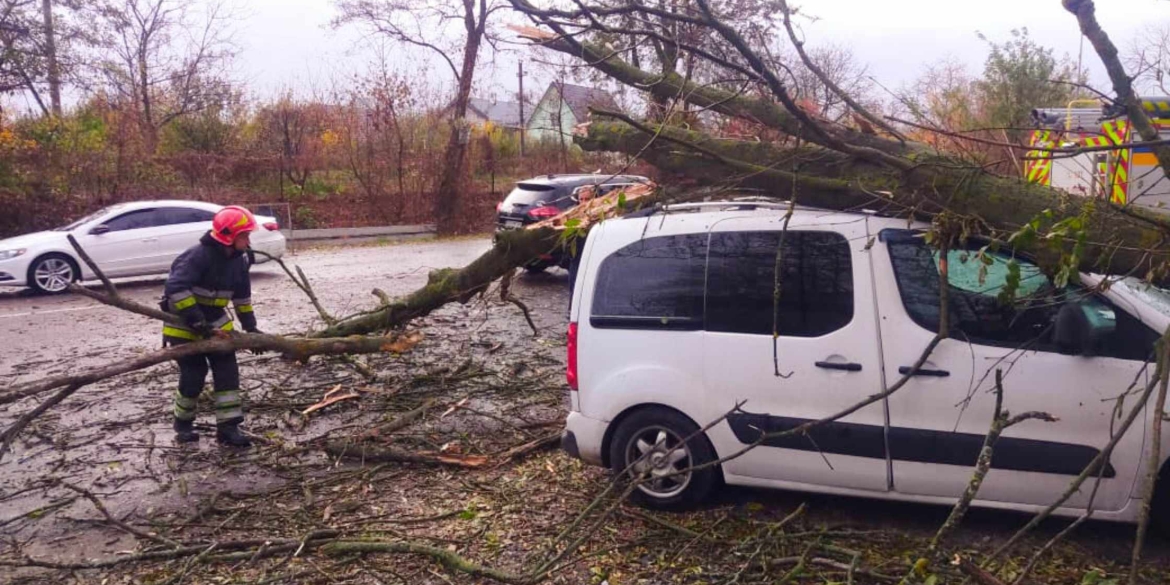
<point>202,328</point>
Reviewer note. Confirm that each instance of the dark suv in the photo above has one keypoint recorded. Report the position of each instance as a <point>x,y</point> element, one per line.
<point>547,196</point>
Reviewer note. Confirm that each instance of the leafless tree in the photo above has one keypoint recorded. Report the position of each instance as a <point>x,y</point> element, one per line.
<point>167,57</point>
<point>38,42</point>
<point>1149,59</point>
<point>455,34</point>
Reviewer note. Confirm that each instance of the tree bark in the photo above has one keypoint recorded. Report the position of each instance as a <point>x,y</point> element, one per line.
<point>290,347</point>
<point>54,71</point>
<point>1123,241</point>
<point>451,182</point>
<point>511,249</point>
<point>1085,12</point>
<point>668,86</point>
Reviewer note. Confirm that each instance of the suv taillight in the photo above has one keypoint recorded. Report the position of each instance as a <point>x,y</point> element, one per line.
<point>272,226</point>
<point>499,206</point>
<point>544,212</point>
<point>571,372</point>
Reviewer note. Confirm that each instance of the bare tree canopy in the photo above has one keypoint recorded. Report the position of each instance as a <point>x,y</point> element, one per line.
<point>168,57</point>
<point>829,164</point>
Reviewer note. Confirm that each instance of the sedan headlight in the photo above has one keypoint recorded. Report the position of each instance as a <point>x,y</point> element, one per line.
<point>9,254</point>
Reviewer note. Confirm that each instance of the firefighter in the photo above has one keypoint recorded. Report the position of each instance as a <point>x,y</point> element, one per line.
<point>202,281</point>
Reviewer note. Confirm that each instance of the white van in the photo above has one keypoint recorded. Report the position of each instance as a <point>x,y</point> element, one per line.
<point>671,327</point>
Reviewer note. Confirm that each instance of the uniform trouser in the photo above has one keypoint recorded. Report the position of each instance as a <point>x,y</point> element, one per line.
<point>225,373</point>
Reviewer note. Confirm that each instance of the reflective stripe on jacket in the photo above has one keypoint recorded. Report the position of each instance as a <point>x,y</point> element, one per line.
<point>202,281</point>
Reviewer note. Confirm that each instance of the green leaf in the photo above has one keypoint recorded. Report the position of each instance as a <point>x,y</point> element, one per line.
<point>931,580</point>
<point>468,514</point>
<point>1011,282</point>
<point>572,223</point>
<point>621,204</point>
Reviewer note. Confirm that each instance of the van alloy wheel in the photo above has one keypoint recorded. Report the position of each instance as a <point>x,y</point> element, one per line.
<point>659,458</point>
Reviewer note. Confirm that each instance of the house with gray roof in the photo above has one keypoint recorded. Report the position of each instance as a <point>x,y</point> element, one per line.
<point>562,107</point>
<point>504,114</point>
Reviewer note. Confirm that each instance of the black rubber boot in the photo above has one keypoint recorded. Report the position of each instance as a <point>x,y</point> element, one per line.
<point>230,435</point>
<point>185,431</point>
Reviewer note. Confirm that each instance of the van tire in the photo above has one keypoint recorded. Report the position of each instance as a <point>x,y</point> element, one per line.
<point>657,431</point>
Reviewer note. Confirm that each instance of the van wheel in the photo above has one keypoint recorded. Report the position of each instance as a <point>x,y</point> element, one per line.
<point>648,445</point>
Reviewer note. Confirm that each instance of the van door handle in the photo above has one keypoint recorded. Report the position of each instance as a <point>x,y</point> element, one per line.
<point>905,371</point>
<point>149,240</point>
<point>848,367</point>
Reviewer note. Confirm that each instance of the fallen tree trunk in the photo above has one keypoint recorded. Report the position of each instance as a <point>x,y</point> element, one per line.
<point>1120,240</point>
<point>510,249</point>
<point>290,347</point>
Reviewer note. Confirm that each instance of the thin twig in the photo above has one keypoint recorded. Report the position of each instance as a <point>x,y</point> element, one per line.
<point>97,503</point>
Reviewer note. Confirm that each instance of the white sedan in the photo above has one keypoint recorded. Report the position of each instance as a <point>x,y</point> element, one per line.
<point>129,239</point>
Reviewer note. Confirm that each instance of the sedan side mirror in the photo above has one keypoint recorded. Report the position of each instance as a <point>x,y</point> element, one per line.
<point>99,230</point>
<point>1082,326</point>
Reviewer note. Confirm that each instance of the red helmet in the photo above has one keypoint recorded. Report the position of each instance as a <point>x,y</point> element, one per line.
<point>230,222</point>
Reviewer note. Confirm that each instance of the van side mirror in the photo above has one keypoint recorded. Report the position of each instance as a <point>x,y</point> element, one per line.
<point>1082,326</point>
<point>99,230</point>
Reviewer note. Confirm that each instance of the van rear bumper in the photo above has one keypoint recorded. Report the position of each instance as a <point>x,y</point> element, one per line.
<point>583,437</point>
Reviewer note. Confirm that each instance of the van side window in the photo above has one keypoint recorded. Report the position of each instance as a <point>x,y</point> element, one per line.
<point>816,283</point>
<point>654,283</point>
<point>976,311</point>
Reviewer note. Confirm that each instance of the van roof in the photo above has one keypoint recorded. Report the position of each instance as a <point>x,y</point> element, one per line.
<point>804,215</point>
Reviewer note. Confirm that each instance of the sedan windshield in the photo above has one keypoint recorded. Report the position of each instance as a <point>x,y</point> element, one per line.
<point>84,220</point>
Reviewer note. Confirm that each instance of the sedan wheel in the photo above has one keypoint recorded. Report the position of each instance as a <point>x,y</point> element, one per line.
<point>52,274</point>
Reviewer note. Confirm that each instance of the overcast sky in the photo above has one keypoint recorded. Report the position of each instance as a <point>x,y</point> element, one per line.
<point>289,43</point>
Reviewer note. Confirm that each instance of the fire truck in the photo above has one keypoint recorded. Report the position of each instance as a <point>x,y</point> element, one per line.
<point>1124,175</point>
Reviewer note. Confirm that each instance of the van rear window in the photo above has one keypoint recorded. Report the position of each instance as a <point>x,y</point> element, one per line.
<point>815,281</point>
<point>654,283</point>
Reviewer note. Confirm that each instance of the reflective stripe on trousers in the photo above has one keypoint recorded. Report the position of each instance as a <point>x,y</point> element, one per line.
<point>226,377</point>
<point>185,406</point>
<point>228,406</point>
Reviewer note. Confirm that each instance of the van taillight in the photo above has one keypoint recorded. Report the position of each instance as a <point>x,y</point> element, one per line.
<point>272,226</point>
<point>571,372</point>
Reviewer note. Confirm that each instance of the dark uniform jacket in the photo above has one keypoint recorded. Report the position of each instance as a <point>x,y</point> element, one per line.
<point>201,282</point>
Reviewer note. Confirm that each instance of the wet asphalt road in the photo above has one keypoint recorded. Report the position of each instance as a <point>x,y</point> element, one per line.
<point>51,335</point>
<point>45,336</point>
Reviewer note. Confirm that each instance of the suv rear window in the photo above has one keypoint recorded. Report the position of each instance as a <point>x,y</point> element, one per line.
<point>654,283</point>
<point>816,283</point>
<point>530,194</point>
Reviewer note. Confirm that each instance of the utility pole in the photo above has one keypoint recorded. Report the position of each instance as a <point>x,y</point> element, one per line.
<point>523,125</point>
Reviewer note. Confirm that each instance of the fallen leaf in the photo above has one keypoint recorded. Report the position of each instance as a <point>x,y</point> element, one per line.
<point>328,401</point>
<point>454,407</point>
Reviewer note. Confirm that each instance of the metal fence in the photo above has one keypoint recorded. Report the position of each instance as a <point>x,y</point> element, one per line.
<point>283,214</point>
